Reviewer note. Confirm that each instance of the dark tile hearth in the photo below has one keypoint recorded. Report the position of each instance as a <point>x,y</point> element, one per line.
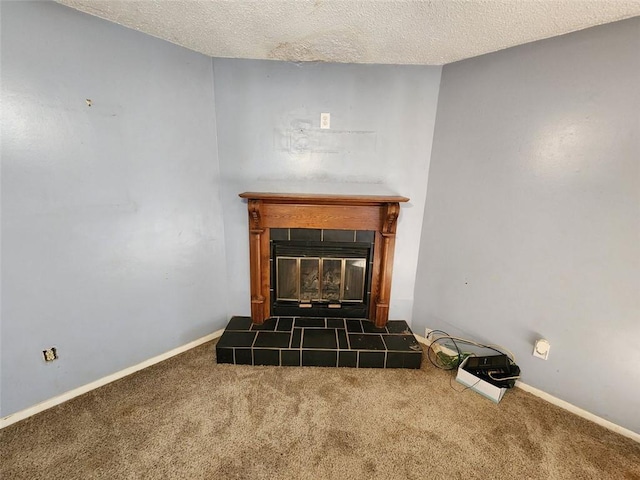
<point>319,342</point>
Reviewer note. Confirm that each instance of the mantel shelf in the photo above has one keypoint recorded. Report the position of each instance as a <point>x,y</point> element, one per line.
<point>323,199</point>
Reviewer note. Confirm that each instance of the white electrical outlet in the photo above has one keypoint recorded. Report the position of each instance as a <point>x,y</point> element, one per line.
<point>325,120</point>
<point>541,349</point>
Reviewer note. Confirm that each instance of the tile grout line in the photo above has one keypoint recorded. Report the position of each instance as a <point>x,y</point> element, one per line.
<point>253,359</point>
<point>300,346</point>
<point>321,349</point>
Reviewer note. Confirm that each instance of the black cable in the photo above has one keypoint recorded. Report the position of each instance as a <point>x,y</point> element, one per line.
<point>446,336</point>
<point>465,388</point>
<point>431,349</point>
<point>441,331</point>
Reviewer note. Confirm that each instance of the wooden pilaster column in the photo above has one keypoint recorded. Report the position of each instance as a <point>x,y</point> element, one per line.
<point>390,220</point>
<point>256,231</point>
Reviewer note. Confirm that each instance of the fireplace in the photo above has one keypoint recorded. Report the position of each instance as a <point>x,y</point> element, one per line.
<point>321,270</point>
<point>321,255</point>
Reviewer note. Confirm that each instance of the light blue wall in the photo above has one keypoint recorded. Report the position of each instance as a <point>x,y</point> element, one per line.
<point>112,240</point>
<point>532,224</point>
<point>382,120</point>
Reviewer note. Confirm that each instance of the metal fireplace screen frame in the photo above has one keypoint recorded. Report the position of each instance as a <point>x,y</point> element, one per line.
<point>320,279</point>
<point>324,279</point>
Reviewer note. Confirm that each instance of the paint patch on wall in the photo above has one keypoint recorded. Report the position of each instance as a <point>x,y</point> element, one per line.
<point>303,138</point>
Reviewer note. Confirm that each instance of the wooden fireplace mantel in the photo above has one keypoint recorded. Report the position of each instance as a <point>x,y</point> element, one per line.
<point>339,212</point>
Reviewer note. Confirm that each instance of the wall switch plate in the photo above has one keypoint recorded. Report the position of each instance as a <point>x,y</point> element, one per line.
<point>541,349</point>
<point>325,120</point>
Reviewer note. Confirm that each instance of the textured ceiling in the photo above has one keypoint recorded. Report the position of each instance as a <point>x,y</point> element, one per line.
<point>393,32</point>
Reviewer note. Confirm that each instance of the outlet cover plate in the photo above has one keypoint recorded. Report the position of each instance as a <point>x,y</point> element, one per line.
<point>541,349</point>
<point>325,121</point>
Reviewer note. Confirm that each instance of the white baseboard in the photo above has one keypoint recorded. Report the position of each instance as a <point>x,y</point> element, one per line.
<point>565,405</point>
<point>52,402</point>
<point>427,342</point>
<point>579,411</point>
<point>40,407</point>
<point>422,340</point>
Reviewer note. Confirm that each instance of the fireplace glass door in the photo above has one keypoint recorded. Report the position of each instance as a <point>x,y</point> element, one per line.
<point>317,279</point>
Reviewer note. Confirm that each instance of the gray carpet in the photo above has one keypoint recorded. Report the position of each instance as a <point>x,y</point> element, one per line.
<point>191,418</point>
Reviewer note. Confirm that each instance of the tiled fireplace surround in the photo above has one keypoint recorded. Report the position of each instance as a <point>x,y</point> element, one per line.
<point>324,341</point>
